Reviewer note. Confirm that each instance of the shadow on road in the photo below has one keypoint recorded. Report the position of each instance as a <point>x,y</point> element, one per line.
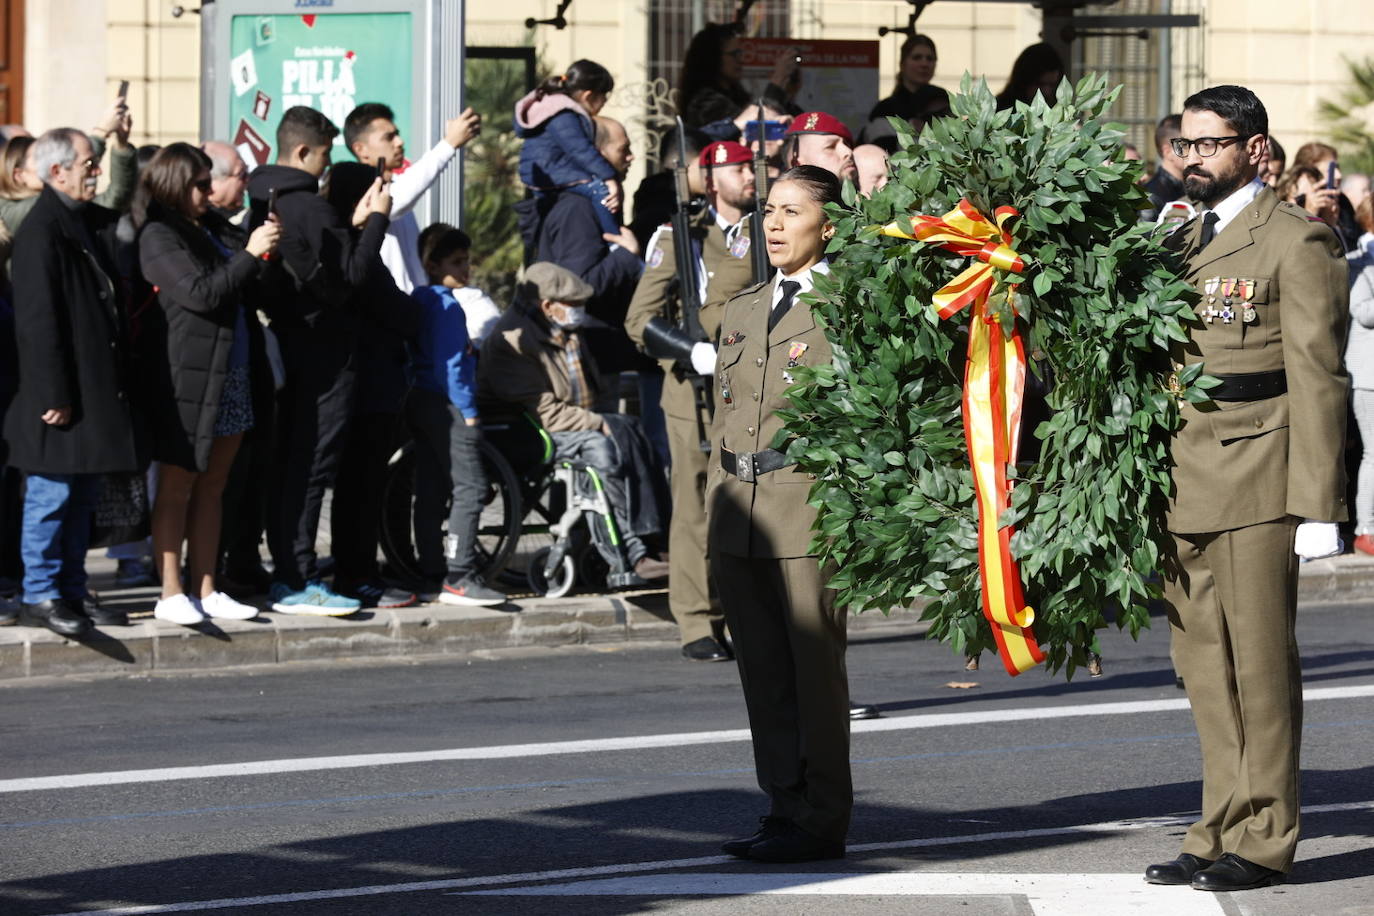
<point>649,828</point>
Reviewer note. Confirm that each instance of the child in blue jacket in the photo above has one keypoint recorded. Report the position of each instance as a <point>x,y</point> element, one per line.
<point>441,411</point>
<point>559,153</point>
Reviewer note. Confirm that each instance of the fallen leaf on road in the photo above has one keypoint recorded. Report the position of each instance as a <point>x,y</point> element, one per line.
<point>962,685</point>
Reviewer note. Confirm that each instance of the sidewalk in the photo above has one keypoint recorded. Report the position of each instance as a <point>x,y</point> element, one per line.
<point>150,645</point>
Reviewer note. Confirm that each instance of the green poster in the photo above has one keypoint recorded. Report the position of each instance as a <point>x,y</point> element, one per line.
<point>327,61</point>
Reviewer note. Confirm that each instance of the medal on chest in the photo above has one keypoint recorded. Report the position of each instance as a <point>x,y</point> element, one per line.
<point>734,338</point>
<point>794,353</point>
<point>1246,290</point>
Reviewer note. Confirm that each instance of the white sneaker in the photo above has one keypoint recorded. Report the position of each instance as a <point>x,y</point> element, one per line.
<point>218,604</point>
<point>177,609</point>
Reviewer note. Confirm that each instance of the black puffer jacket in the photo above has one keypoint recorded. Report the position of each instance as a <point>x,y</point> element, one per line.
<point>201,295</point>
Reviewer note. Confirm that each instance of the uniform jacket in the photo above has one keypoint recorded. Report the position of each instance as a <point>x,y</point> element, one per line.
<point>769,518</point>
<point>70,329</point>
<point>1241,463</point>
<point>522,365</point>
<point>726,273</point>
<point>200,295</point>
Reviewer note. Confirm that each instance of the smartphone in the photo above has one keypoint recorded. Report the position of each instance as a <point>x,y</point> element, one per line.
<point>381,166</point>
<point>123,92</point>
<point>1331,174</point>
<point>772,130</point>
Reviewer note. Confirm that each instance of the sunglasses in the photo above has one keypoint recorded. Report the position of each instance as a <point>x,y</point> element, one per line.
<point>204,185</point>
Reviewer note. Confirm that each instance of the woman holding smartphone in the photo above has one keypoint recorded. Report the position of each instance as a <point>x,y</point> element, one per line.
<point>789,637</point>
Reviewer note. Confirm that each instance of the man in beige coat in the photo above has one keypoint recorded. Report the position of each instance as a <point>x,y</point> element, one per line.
<point>1256,468</point>
<point>534,358</point>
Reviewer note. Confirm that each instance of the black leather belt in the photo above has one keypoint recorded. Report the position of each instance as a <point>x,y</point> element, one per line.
<point>1252,386</point>
<point>747,466</point>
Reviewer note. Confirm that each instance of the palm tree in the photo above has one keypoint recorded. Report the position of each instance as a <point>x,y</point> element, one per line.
<point>1350,118</point>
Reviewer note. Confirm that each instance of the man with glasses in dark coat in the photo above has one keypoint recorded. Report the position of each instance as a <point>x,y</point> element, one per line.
<point>71,420</point>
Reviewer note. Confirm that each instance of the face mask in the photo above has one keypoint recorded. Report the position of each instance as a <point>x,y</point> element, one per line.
<point>573,317</point>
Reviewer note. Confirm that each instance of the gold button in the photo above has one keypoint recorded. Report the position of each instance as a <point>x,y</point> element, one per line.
<point>1258,423</point>
<point>759,361</point>
<point>750,430</point>
<point>756,395</point>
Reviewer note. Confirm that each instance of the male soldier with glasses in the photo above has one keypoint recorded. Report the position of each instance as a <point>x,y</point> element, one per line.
<point>1258,473</point>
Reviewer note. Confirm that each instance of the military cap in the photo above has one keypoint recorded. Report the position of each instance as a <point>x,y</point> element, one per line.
<point>724,152</point>
<point>818,122</point>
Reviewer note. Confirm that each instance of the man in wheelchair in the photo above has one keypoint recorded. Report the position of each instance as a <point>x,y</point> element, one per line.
<point>534,360</point>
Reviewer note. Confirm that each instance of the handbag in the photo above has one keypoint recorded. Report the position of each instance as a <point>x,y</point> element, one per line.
<point>121,510</point>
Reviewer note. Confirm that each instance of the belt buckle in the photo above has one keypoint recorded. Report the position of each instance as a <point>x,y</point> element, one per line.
<point>744,466</point>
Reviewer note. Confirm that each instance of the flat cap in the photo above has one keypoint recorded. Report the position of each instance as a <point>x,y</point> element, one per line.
<point>818,122</point>
<point>546,280</point>
<point>724,152</point>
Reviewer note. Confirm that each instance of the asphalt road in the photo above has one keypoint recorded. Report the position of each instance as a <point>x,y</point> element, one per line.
<point>499,784</point>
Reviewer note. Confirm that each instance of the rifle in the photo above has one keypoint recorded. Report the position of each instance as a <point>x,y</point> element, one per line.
<point>758,248</point>
<point>668,340</point>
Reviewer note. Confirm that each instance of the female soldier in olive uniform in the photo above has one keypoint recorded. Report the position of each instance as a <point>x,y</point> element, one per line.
<point>789,636</point>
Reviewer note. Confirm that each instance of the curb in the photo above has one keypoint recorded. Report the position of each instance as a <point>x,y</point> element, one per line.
<point>437,630</point>
<point>427,631</point>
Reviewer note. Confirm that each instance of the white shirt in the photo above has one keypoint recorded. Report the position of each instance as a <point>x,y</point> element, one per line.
<point>400,248</point>
<point>803,277</point>
<point>481,313</point>
<point>1232,206</point>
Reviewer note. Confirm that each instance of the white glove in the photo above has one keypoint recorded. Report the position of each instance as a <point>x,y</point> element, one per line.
<point>1315,540</point>
<point>704,358</point>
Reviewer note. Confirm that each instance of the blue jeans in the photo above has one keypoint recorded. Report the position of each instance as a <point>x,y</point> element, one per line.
<point>56,532</point>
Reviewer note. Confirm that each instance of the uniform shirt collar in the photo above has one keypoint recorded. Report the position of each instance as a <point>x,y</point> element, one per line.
<point>1232,206</point>
<point>804,277</point>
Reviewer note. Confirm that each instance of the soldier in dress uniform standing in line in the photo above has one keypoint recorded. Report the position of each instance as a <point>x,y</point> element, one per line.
<point>720,241</point>
<point>1258,474</point>
<point>789,635</point>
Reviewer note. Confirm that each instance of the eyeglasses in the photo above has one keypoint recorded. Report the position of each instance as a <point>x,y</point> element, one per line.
<point>1206,146</point>
<point>85,164</point>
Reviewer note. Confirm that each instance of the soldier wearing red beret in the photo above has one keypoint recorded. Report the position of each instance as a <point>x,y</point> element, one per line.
<point>820,139</point>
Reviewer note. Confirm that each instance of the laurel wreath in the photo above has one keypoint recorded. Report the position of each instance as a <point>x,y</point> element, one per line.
<point>1102,304</point>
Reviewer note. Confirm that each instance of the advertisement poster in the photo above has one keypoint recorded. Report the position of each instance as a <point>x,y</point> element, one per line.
<point>327,61</point>
<point>838,77</point>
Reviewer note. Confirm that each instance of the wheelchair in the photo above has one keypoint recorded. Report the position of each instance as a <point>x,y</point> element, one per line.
<point>545,525</point>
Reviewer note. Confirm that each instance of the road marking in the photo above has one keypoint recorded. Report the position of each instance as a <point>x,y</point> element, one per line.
<point>600,745</point>
<point>596,871</point>
<point>1048,895</point>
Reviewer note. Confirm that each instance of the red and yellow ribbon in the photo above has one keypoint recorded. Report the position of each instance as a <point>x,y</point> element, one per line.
<point>994,380</point>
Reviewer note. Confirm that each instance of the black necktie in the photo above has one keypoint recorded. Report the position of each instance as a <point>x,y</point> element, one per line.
<point>789,289</point>
<point>1209,229</point>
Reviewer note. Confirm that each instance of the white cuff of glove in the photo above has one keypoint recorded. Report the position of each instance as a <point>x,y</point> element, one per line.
<point>1315,540</point>
<point>704,358</point>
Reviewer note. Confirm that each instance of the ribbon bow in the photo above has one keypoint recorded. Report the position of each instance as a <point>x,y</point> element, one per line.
<point>994,380</point>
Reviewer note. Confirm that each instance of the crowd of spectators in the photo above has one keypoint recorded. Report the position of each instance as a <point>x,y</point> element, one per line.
<point>222,342</point>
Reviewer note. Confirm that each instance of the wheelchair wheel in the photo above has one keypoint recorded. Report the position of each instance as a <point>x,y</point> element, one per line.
<point>498,529</point>
<point>561,583</point>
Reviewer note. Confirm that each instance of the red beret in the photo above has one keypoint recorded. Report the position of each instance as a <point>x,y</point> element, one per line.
<point>724,152</point>
<point>818,122</point>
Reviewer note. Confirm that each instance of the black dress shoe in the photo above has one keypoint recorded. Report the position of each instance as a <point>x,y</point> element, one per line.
<point>1232,873</point>
<point>769,827</point>
<point>706,649</point>
<point>56,616</point>
<point>9,613</point>
<point>857,711</point>
<point>1179,871</point>
<point>793,844</point>
<point>100,616</point>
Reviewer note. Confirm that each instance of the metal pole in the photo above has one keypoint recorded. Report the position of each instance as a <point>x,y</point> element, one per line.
<point>698,15</point>
<point>1165,102</point>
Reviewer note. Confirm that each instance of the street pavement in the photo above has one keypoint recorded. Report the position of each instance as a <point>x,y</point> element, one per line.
<point>601,779</point>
